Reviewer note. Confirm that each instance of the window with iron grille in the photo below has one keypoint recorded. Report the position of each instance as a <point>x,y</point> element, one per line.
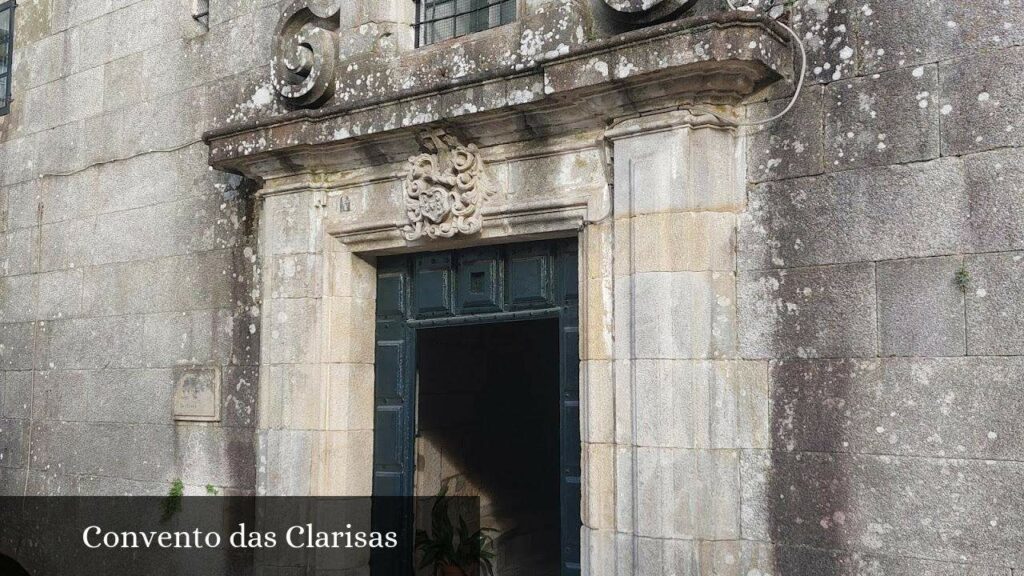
<point>438,20</point>
<point>6,53</point>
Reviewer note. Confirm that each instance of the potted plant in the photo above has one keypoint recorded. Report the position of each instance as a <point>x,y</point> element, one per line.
<point>454,551</point>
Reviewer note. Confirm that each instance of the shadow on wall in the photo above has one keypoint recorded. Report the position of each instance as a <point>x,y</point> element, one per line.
<point>808,487</point>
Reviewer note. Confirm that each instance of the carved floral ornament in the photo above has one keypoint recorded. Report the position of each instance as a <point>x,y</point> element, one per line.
<point>445,189</point>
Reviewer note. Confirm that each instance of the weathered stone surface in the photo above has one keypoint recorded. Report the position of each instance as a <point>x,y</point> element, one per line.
<point>920,308</point>
<point>858,215</point>
<point>699,241</point>
<point>898,34</point>
<point>174,284</point>
<point>995,187</point>
<point>880,120</point>
<point>980,102</point>
<point>706,488</point>
<point>934,407</point>
<point>995,303</point>
<point>808,312</point>
<point>680,314</point>
<point>710,181</point>
<point>17,345</point>
<point>798,561</point>
<point>701,404</point>
<point>826,28</point>
<point>790,147</point>
<point>13,443</point>
<point>898,506</point>
<point>285,462</point>
<point>115,342</point>
<point>188,337</point>
<point>15,394</point>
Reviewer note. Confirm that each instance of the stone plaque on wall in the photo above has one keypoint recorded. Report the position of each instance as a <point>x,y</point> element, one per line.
<point>197,394</point>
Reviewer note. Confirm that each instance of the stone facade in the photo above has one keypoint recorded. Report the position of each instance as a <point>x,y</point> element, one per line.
<point>799,343</point>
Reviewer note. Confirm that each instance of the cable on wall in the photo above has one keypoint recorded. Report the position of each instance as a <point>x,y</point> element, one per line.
<point>799,83</point>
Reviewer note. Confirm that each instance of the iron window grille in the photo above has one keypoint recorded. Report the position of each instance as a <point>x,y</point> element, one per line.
<point>6,52</point>
<point>438,20</point>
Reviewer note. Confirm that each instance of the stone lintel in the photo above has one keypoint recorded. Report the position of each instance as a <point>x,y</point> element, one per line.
<point>710,61</point>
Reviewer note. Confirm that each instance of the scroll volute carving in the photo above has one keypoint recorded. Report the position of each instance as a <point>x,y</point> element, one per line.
<point>644,12</point>
<point>445,188</point>
<point>306,52</point>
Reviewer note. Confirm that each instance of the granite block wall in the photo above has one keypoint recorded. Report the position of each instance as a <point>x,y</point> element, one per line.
<point>880,275</point>
<point>124,259</point>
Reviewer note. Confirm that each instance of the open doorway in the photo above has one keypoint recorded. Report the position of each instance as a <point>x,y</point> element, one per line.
<point>488,426</point>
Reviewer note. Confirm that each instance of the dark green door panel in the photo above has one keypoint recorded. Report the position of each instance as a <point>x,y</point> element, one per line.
<point>477,285</point>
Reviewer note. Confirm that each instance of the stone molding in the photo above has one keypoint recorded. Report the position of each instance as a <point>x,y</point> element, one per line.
<point>706,60</point>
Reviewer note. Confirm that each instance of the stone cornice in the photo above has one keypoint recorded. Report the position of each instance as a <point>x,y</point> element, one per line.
<point>709,60</point>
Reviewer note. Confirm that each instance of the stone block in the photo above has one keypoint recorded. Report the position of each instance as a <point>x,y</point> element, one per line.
<point>790,147</point>
<point>350,398</point>
<point>995,303</point>
<point>13,443</point>
<point>980,102</point>
<point>798,561</point>
<point>667,557</point>
<point>195,224</point>
<point>215,455</point>
<point>15,394</point>
<point>17,346</point>
<point>343,463</point>
<point>188,337</point>
<point>677,170</point>
<point>701,404</point>
<point>173,284</point>
<point>285,462</point>
<point>681,315</point>
<point>941,509</point>
<point>995,188</point>
<point>350,340</point>
<point>68,447</point>
<point>240,391</point>
<point>91,343</point>
<point>60,294</point>
<point>675,242</point>
<point>291,397</point>
<point>597,396</point>
<point>18,251</point>
<point>688,494</point>
<point>291,331</point>
<point>294,276</point>
<point>599,494</point>
<point>928,407</point>
<point>854,216</point>
<point>12,481</point>
<point>600,321</point>
<point>826,27</point>
<point>808,312</point>
<point>18,298</point>
<point>109,395</point>
<point>884,119</point>
<point>577,173</point>
<point>597,554</point>
<point>899,34</point>
<point>288,220</point>
<point>920,307</point>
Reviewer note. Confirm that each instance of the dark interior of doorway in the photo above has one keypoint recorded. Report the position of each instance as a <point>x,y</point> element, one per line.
<point>488,425</point>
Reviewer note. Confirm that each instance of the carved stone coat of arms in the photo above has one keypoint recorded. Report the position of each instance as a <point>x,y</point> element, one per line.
<point>444,189</point>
